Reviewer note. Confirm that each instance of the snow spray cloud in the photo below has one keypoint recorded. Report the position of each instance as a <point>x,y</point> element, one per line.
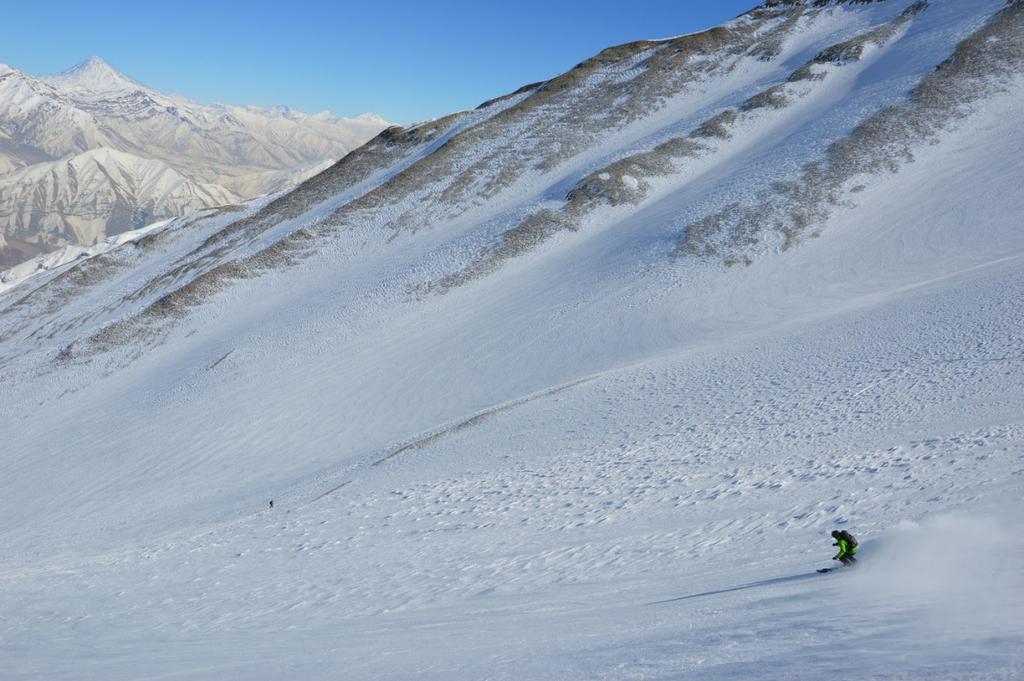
<point>956,577</point>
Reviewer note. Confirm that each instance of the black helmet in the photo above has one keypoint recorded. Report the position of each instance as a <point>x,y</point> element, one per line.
<point>835,534</point>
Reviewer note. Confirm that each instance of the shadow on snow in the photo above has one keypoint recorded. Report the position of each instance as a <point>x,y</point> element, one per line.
<point>742,587</point>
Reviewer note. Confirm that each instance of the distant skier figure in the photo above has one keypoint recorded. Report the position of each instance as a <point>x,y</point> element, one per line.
<point>271,503</point>
<point>848,548</point>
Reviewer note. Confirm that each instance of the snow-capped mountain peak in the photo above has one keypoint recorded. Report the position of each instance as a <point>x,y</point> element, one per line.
<point>96,75</point>
<point>368,117</point>
<point>231,152</point>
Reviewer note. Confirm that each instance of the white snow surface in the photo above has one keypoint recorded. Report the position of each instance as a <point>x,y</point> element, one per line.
<point>597,462</point>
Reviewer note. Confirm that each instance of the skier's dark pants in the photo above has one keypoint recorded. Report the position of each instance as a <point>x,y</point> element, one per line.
<point>847,560</point>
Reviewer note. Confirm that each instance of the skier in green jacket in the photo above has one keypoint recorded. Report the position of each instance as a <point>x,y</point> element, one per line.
<point>848,548</point>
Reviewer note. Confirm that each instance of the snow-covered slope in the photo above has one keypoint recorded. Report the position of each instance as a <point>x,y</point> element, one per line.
<point>570,386</point>
<point>245,151</point>
<point>96,193</point>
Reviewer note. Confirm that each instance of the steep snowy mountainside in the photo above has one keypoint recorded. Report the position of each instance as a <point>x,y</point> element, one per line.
<point>570,386</point>
<point>245,151</point>
<point>99,192</point>
<point>62,256</point>
<point>749,134</point>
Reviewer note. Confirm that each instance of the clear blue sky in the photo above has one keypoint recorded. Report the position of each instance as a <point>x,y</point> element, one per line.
<point>407,61</point>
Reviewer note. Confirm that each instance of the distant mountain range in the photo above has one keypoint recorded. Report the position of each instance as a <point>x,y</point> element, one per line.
<point>91,152</point>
